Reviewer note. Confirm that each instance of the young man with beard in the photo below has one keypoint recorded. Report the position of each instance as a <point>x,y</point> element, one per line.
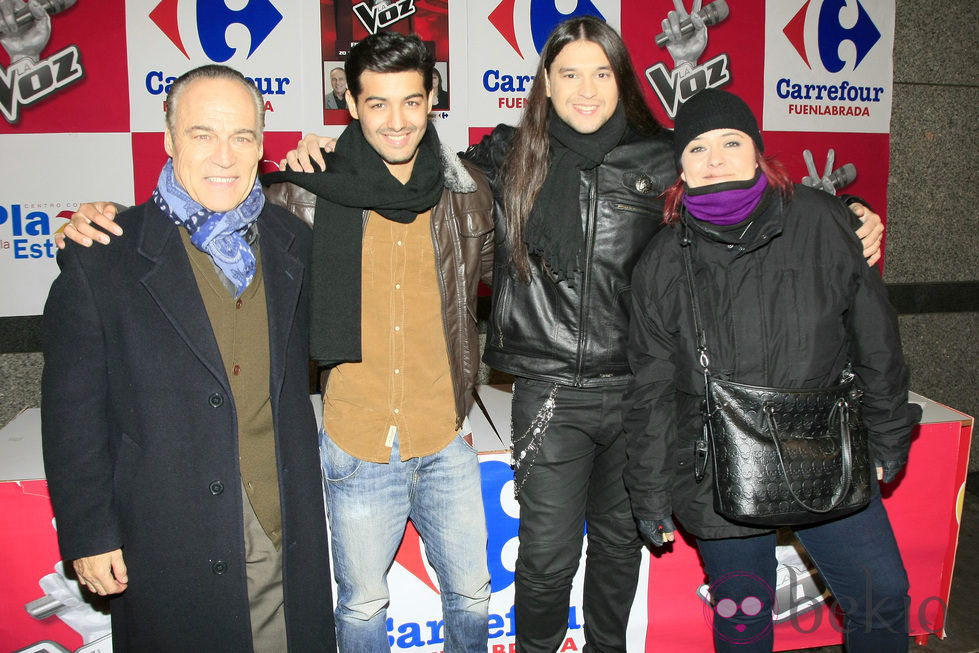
<point>576,186</point>
<point>403,233</point>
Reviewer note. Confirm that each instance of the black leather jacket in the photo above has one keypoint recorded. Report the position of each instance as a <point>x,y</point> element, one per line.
<point>578,335</point>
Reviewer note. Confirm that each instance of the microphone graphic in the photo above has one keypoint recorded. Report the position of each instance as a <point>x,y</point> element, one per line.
<point>843,176</point>
<point>712,14</point>
<point>832,180</point>
<point>23,16</point>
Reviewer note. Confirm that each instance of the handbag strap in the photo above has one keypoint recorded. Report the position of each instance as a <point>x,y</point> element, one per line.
<point>701,448</point>
<point>840,410</point>
<point>685,245</point>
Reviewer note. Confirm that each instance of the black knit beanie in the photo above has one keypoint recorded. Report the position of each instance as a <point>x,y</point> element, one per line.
<point>713,109</point>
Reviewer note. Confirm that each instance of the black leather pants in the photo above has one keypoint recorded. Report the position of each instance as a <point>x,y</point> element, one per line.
<point>575,477</point>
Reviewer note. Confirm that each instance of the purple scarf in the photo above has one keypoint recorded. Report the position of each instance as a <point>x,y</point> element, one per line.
<point>725,203</point>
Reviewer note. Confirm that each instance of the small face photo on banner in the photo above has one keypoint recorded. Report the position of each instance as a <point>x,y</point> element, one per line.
<point>343,23</point>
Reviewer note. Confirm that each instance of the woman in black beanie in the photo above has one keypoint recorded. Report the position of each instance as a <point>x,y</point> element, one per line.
<point>786,300</point>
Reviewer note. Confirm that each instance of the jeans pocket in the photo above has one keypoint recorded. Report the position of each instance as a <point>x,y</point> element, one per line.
<point>468,441</point>
<point>338,465</point>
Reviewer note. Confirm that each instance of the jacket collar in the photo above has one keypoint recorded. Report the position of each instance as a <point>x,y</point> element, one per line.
<point>765,224</point>
<point>170,280</point>
<point>457,178</point>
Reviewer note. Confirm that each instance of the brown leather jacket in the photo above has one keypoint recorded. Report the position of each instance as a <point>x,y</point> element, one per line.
<point>462,232</point>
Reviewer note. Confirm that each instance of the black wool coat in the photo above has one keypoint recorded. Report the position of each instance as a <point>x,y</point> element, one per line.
<point>140,437</point>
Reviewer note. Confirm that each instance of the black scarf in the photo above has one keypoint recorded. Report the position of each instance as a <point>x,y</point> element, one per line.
<point>356,179</point>
<point>554,229</point>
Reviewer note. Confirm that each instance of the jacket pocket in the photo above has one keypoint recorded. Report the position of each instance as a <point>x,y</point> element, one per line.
<point>501,309</point>
<point>615,334</point>
<point>634,208</point>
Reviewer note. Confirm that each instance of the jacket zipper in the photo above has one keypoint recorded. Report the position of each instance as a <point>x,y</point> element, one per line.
<point>591,218</point>
<point>501,309</point>
<point>632,208</point>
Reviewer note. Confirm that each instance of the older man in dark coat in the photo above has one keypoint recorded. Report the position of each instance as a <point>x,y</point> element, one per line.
<point>179,439</point>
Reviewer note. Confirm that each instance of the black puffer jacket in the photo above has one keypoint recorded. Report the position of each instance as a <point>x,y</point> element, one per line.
<point>577,335</point>
<point>785,304</point>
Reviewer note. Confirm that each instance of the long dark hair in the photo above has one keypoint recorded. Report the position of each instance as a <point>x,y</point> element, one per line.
<point>778,178</point>
<point>526,164</point>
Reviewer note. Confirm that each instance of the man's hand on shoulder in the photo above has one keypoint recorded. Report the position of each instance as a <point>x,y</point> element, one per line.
<point>82,229</point>
<point>870,233</point>
<point>309,150</point>
<point>103,574</point>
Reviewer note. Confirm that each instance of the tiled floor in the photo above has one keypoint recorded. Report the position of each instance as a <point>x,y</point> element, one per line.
<point>963,616</point>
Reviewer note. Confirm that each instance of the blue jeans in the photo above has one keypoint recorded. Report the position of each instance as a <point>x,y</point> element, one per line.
<point>368,505</point>
<point>858,559</point>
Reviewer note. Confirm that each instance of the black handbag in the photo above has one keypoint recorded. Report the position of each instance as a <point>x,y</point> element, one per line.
<point>781,456</point>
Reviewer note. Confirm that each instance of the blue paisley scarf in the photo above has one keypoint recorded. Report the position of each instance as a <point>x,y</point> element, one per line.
<point>220,235</point>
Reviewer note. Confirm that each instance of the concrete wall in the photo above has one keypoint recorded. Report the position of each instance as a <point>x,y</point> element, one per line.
<point>932,208</point>
<point>932,231</point>
<point>20,384</point>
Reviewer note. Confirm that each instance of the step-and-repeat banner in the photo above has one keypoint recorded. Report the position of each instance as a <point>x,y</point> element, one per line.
<point>82,98</point>
<point>82,93</point>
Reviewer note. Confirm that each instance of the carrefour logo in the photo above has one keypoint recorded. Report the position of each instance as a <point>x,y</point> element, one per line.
<point>213,18</point>
<point>834,28</point>
<point>544,16</point>
<point>503,521</point>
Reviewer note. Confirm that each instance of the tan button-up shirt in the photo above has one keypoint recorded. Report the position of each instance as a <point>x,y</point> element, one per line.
<point>403,386</point>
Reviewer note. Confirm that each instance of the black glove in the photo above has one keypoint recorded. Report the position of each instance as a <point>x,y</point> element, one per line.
<point>653,529</point>
<point>891,469</point>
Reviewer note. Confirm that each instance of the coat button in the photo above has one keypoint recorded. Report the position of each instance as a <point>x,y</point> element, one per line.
<point>216,487</point>
<point>219,567</point>
<point>216,400</point>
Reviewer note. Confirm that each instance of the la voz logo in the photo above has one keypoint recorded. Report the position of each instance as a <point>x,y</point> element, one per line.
<point>544,17</point>
<point>832,33</point>
<point>213,18</point>
<point>30,79</point>
<point>382,16</point>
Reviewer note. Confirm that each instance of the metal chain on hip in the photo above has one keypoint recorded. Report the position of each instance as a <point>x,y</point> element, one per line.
<point>536,431</point>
